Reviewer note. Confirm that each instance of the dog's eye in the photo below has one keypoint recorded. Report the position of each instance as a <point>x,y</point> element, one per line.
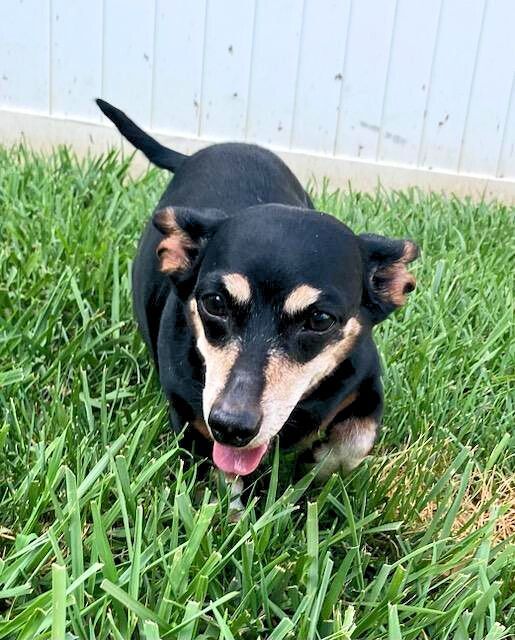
<point>319,321</point>
<point>214,305</point>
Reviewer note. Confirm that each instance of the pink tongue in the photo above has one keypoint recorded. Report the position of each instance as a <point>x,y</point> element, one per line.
<point>240,462</point>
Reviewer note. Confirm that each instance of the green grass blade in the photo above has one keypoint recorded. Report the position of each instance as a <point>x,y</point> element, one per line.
<point>151,630</point>
<point>58,602</point>
<point>394,629</point>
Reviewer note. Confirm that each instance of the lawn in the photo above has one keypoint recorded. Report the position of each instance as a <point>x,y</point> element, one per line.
<point>105,529</point>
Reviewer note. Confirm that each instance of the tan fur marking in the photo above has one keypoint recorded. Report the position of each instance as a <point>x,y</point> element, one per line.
<point>199,425</point>
<point>300,298</point>
<point>410,252</point>
<point>286,382</point>
<point>172,251</point>
<point>349,443</point>
<point>218,362</point>
<point>238,287</point>
<point>166,220</point>
<point>397,281</point>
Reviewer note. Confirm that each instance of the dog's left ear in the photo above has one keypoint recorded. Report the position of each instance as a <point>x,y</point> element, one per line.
<point>387,281</point>
<point>186,231</point>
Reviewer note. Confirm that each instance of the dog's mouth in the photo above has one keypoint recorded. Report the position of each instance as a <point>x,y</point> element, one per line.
<point>237,461</point>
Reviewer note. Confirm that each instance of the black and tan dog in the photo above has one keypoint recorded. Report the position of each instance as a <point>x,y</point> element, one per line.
<point>259,310</point>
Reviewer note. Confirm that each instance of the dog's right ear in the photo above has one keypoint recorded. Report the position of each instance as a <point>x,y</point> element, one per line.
<point>387,281</point>
<point>186,231</point>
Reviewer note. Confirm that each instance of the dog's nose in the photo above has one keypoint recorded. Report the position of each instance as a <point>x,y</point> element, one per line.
<point>235,428</point>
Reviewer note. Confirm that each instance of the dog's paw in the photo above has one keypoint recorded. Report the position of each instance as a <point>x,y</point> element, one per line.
<point>348,445</point>
<point>236,510</point>
<point>235,486</point>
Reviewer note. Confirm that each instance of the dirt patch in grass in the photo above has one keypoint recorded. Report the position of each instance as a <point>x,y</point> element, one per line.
<point>410,475</point>
<point>484,492</point>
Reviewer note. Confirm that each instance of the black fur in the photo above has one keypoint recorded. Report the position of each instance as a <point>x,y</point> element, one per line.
<point>155,152</point>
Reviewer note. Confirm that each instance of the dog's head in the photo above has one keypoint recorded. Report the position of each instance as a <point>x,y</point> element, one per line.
<point>278,297</point>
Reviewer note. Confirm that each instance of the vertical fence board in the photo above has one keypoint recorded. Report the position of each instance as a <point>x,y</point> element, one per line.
<point>449,91</point>
<point>364,78</point>
<point>24,55</point>
<point>76,73</point>
<point>491,91</point>
<point>225,80</point>
<point>408,79</point>
<point>128,45</point>
<point>506,167</point>
<point>322,50</point>
<point>178,65</point>
<point>274,66</point>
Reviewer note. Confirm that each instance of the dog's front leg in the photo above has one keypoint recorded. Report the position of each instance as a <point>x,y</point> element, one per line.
<point>351,431</point>
<point>235,486</point>
<point>348,444</point>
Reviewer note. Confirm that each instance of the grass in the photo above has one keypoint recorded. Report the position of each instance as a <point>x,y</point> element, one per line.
<point>105,533</point>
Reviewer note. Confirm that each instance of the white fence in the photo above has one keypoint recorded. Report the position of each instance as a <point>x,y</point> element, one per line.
<point>407,91</point>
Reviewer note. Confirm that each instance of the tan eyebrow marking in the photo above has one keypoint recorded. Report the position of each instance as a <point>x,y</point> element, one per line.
<point>300,298</point>
<point>237,286</point>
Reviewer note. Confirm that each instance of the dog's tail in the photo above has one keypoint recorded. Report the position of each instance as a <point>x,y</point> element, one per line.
<point>157,154</point>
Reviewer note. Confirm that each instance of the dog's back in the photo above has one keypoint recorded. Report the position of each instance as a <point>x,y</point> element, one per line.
<point>231,176</point>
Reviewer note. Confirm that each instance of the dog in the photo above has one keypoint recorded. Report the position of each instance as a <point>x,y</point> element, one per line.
<point>258,310</point>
